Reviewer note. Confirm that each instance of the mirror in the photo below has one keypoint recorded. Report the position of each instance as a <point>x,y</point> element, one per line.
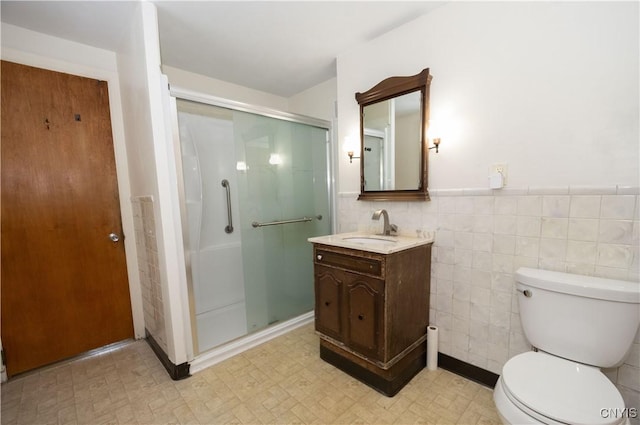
<point>394,116</point>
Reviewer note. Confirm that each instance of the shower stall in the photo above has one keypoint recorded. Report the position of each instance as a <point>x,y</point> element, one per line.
<point>255,186</point>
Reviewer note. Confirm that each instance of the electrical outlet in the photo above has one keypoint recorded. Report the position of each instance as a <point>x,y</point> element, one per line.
<point>502,169</point>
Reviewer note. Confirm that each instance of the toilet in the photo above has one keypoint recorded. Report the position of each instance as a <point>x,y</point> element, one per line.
<point>577,324</point>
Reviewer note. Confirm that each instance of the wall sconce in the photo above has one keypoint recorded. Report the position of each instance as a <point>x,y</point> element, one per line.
<point>351,157</point>
<point>436,144</point>
<point>350,146</point>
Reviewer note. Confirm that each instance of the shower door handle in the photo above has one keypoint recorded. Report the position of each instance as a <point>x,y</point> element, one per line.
<point>229,227</point>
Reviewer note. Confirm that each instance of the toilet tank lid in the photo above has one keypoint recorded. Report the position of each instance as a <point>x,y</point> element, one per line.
<point>584,286</point>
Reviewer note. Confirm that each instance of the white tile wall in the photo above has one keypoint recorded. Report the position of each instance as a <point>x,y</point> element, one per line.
<point>148,261</point>
<point>482,239</point>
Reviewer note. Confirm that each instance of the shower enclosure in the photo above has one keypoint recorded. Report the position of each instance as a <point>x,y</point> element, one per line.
<point>255,187</point>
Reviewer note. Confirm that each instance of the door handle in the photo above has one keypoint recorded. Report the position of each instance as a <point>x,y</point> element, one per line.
<point>229,227</point>
<point>114,237</point>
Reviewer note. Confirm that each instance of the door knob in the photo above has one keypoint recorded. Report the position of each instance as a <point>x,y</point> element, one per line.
<point>114,237</point>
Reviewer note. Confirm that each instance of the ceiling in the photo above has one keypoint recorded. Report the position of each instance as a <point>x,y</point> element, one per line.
<point>279,47</point>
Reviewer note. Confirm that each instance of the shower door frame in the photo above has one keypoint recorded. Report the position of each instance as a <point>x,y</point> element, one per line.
<point>189,95</point>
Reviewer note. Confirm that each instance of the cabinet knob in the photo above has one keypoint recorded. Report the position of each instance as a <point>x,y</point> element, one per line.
<point>319,257</point>
<point>360,316</point>
<point>327,303</point>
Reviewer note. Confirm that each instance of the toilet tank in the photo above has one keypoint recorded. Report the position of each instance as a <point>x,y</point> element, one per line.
<point>587,319</point>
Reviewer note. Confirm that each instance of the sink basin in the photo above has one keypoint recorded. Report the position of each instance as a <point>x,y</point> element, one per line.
<point>371,240</point>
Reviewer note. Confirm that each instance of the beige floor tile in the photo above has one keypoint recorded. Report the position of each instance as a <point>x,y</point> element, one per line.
<point>283,381</point>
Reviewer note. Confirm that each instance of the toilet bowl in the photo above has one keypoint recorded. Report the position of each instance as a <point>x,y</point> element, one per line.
<point>538,388</point>
<point>578,325</point>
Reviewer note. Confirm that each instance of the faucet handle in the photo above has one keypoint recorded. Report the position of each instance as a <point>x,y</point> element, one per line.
<point>393,228</point>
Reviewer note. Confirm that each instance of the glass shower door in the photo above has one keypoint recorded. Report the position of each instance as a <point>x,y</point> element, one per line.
<point>277,196</point>
<point>283,192</point>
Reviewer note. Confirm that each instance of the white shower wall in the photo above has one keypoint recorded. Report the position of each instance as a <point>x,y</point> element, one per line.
<point>216,256</point>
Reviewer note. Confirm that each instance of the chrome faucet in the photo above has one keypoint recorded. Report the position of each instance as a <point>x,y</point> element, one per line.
<point>388,228</point>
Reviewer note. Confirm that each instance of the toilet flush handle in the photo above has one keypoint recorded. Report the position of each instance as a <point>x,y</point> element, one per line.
<point>527,293</point>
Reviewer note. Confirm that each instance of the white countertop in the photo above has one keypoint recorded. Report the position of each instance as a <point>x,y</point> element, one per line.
<point>396,243</point>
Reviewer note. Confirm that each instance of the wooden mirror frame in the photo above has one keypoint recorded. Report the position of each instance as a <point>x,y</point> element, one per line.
<point>387,89</point>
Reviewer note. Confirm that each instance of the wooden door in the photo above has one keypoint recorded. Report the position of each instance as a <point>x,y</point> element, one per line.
<point>64,281</point>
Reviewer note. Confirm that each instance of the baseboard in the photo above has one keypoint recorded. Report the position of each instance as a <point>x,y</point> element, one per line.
<point>176,372</point>
<point>467,370</point>
<point>181,371</point>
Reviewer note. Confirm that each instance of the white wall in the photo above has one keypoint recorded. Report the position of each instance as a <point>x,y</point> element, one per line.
<point>150,149</point>
<point>135,104</point>
<point>318,101</point>
<point>40,50</point>
<point>55,53</point>
<point>550,88</point>
<point>218,88</point>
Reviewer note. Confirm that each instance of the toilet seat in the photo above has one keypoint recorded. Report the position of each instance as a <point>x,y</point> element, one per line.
<point>556,390</point>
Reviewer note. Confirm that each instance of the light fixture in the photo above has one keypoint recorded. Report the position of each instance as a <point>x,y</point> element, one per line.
<point>351,157</point>
<point>350,146</point>
<point>436,144</point>
<point>275,159</point>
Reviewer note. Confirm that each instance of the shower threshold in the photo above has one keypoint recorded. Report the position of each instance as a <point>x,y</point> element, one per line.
<point>237,346</point>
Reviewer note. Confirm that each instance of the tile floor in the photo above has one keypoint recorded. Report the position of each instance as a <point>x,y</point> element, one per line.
<point>279,382</point>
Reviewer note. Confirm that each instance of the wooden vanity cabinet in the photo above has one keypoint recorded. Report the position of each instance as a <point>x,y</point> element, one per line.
<point>372,312</point>
<point>349,309</point>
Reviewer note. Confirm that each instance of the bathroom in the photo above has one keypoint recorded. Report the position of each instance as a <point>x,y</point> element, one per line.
<point>513,84</point>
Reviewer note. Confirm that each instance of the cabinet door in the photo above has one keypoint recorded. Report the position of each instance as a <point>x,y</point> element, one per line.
<point>328,302</point>
<point>365,307</point>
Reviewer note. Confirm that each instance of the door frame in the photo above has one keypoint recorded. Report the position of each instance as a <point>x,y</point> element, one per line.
<point>122,168</point>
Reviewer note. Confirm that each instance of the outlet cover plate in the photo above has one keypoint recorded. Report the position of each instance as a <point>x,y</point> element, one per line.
<point>502,169</point>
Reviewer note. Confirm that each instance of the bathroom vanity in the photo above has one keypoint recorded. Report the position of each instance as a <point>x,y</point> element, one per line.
<point>372,306</point>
